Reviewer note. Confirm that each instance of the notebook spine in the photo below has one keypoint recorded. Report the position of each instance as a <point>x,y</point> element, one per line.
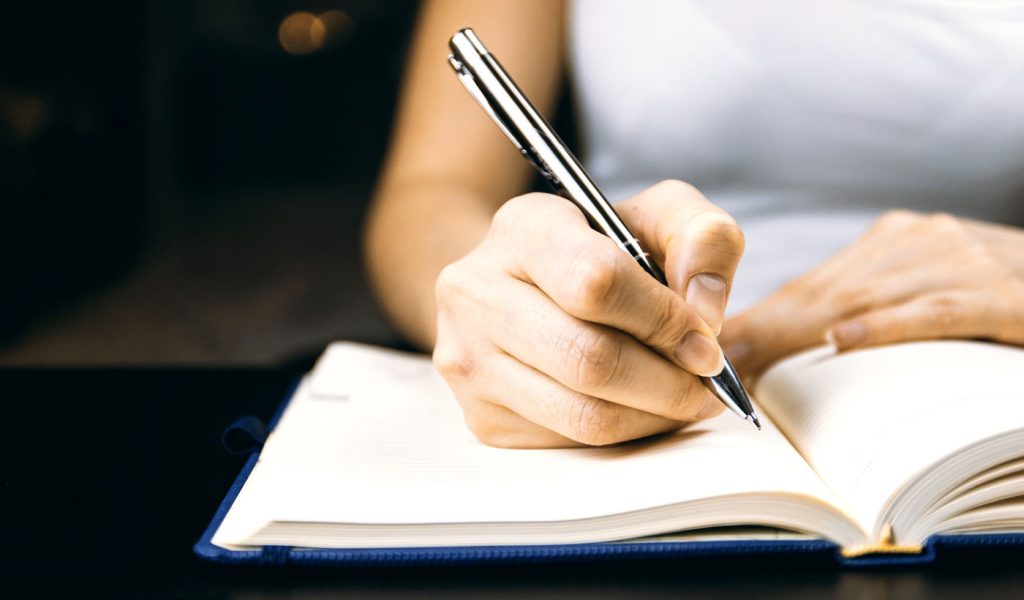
<point>886,545</point>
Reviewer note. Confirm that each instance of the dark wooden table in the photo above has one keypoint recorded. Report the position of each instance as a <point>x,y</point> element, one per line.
<point>109,477</point>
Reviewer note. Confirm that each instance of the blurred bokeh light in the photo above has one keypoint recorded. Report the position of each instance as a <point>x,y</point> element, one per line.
<point>185,181</point>
<point>301,33</point>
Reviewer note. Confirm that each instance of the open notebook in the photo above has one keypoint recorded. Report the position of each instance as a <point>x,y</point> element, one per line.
<point>874,450</point>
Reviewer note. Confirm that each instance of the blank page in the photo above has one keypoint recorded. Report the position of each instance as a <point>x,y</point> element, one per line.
<point>375,436</point>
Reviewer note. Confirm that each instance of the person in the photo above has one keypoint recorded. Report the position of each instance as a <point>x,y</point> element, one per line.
<point>873,154</point>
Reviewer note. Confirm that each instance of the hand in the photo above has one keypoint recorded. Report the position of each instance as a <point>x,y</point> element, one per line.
<point>550,335</point>
<point>910,277</point>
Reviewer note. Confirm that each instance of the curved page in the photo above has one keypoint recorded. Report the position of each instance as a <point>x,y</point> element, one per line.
<point>871,421</point>
<point>374,437</point>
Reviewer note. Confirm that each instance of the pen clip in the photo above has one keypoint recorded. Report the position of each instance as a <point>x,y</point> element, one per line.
<point>474,90</point>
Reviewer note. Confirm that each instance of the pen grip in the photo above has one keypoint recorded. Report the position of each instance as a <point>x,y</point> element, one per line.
<point>629,244</point>
<point>632,247</point>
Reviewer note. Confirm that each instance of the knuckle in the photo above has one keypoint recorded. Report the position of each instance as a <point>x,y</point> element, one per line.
<point>524,204</point>
<point>944,223</point>
<point>718,231</point>
<point>510,214</point>
<point>451,280</point>
<point>809,290</point>
<point>978,256</point>
<point>463,281</point>
<point>896,219</point>
<point>848,299</point>
<point>515,215</point>
<point>676,187</point>
<point>670,322</point>
<point>594,422</point>
<point>592,280</point>
<point>957,239</point>
<point>953,232</point>
<point>596,357</point>
<point>948,312</point>
<point>453,363</point>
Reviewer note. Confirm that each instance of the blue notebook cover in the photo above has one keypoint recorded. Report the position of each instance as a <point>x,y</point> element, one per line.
<point>804,550</point>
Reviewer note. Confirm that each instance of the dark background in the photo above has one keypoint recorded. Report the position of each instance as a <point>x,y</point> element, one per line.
<point>177,188</point>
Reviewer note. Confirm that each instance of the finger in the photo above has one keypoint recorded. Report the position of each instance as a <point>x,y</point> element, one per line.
<point>593,359</point>
<point>589,277</point>
<point>953,314</point>
<point>498,426</point>
<point>699,244</point>
<point>710,411</point>
<point>460,363</point>
<point>570,414</point>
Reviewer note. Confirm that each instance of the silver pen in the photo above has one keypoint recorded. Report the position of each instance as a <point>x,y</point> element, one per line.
<point>501,98</point>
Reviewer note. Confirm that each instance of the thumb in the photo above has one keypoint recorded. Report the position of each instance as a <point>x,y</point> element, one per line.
<point>698,244</point>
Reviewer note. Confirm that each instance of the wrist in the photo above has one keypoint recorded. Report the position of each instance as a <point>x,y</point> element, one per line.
<point>413,231</point>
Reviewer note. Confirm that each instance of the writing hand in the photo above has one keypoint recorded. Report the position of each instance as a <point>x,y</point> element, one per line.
<point>550,335</point>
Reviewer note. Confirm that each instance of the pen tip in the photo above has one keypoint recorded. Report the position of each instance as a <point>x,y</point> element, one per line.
<point>753,419</point>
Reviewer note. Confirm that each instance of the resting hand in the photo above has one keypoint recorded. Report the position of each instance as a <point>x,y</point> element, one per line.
<point>910,277</point>
<point>550,335</point>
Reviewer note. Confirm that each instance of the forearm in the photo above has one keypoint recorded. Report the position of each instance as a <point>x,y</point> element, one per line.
<point>415,228</point>
<point>448,168</point>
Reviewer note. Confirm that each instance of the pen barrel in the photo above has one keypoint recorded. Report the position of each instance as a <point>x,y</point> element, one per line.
<point>728,388</point>
<point>515,115</point>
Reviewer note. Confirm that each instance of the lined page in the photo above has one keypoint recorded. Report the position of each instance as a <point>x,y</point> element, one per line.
<point>375,436</point>
<point>870,420</point>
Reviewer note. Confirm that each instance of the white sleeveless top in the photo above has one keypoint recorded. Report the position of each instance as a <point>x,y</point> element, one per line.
<point>806,118</point>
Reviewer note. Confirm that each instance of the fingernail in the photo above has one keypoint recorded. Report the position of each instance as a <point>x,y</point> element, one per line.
<point>706,294</point>
<point>848,335</point>
<point>700,354</point>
